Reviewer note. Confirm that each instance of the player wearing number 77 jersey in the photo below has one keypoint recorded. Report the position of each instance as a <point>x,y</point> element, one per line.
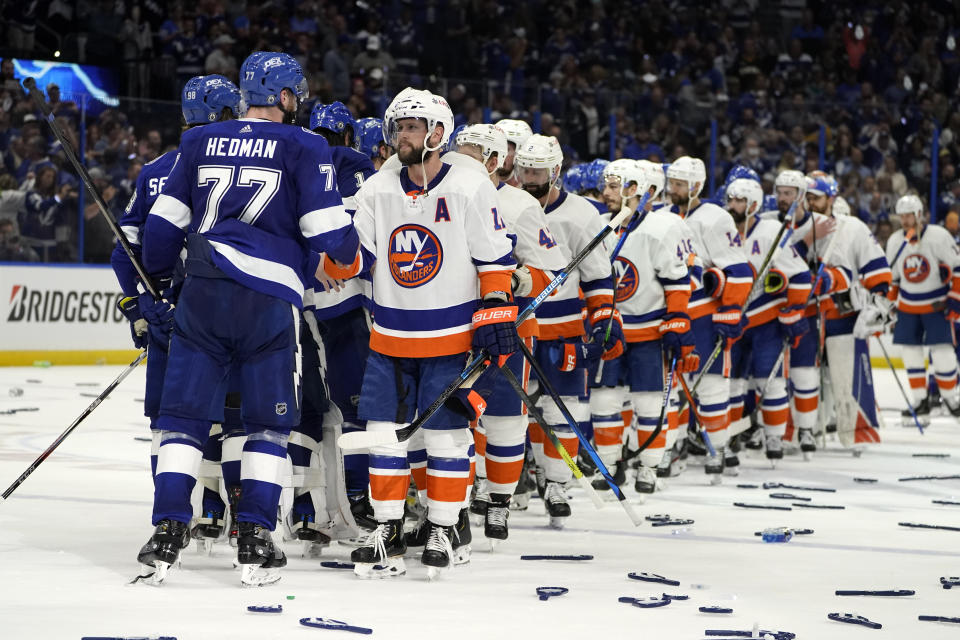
<point>252,196</point>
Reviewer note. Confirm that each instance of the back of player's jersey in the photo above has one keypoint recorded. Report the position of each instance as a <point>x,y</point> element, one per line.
<point>147,189</point>
<point>260,193</point>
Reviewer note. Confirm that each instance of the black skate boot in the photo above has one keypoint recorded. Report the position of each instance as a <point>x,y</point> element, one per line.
<point>208,529</point>
<point>161,551</point>
<point>646,481</point>
<point>462,537</point>
<point>478,505</point>
<point>754,438</point>
<point>922,410</point>
<point>438,552</point>
<point>381,555</point>
<point>495,522</point>
<point>731,462</point>
<point>714,468</point>
<point>774,449</point>
<point>586,464</point>
<point>619,474</point>
<point>808,443</point>
<point>306,530</point>
<point>259,558</point>
<point>555,501</point>
<point>362,512</point>
<point>695,444</point>
<point>417,536</point>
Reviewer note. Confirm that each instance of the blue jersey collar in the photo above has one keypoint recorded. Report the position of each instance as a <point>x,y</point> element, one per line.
<point>410,188</point>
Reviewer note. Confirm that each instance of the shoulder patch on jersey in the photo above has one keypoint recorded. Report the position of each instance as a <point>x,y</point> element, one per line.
<point>415,255</point>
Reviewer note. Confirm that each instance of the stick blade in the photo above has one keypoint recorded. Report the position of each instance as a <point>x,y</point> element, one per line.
<point>366,439</point>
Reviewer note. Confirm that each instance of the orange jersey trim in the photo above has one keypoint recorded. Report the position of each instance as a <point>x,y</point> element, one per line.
<point>420,347</point>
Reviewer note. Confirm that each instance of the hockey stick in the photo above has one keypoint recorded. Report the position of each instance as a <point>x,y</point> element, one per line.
<point>552,436</point>
<point>544,381</point>
<point>907,237</point>
<point>903,392</point>
<point>697,417</point>
<point>779,242</point>
<point>63,436</point>
<point>31,86</point>
<point>663,414</point>
<point>365,439</point>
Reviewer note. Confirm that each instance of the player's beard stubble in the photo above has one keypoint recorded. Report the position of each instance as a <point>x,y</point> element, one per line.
<point>410,154</point>
<point>538,191</point>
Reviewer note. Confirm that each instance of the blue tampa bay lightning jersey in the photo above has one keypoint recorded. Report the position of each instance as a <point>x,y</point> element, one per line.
<point>262,194</point>
<point>352,169</point>
<point>148,187</point>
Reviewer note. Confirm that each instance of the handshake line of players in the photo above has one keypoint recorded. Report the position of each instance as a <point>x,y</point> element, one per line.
<point>406,256</point>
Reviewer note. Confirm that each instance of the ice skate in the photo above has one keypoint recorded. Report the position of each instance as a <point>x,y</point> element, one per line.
<point>381,555</point>
<point>521,495</point>
<point>540,477</point>
<point>308,532</point>
<point>922,410</point>
<point>646,481</point>
<point>587,466</point>
<point>161,551</point>
<point>731,463</point>
<point>260,559</point>
<point>618,473</point>
<point>808,443</point>
<point>714,468</point>
<point>208,529</point>
<point>233,497</point>
<point>555,501</point>
<point>774,450</point>
<point>462,537</point>
<point>755,441</point>
<point>438,551</point>
<point>665,468</point>
<point>478,506</point>
<point>417,535</point>
<point>495,521</point>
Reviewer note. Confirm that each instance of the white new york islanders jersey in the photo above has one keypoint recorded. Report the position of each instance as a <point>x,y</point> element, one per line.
<point>574,222</point>
<point>435,255</point>
<point>925,269</point>
<point>652,273</point>
<point>535,245</point>
<point>869,266</point>
<point>718,245</point>
<point>764,306</point>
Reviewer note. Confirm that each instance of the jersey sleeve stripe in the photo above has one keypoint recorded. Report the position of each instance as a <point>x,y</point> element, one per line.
<point>172,210</point>
<point>319,221</point>
<point>260,269</point>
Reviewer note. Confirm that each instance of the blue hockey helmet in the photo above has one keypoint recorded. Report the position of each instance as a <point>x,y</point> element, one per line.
<point>368,134</point>
<point>573,178</point>
<point>264,75</point>
<point>205,97</point>
<point>452,142</point>
<point>822,184</point>
<point>739,171</point>
<point>333,117</point>
<point>593,174</point>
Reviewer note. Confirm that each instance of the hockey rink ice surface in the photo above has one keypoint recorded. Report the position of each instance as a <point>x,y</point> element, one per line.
<point>70,534</point>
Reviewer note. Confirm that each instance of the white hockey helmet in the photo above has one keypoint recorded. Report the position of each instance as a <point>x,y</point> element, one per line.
<point>749,190</point>
<point>909,204</point>
<point>416,103</point>
<point>489,138</point>
<point>689,170</point>
<point>841,207</point>
<point>624,171</point>
<point>792,178</point>
<point>540,152</point>
<point>517,131</point>
<point>652,176</point>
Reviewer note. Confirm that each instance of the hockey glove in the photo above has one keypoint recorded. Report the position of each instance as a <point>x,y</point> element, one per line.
<point>728,322</point>
<point>574,353</point>
<point>521,282</point>
<point>467,403</point>
<point>157,312</point>
<point>494,330</point>
<point>599,321</point>
<point>138,326</point>
<point>677,342</point>
<point>793,324</point>
<point>714,280</point>
<point>828,281</point>
<point>953,309</point>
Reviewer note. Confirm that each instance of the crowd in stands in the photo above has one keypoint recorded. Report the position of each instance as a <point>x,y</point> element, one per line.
<point>878,80</point>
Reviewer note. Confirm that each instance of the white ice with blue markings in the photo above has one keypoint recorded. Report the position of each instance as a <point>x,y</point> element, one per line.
<point>70,534</point>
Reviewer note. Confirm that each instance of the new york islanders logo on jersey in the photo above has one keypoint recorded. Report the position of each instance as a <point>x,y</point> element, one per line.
<point>916,268</point>
<point>415,255</point>
<point>627,278</point>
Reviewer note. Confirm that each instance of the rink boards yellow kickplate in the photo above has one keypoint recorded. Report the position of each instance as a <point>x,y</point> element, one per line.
<point>50,358</point>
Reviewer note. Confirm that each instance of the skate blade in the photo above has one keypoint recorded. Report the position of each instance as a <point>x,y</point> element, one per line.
<point>461,555</point>
<point>476,520</point>
<point>558,523</point>
<point>716,479</point>
<point>205,546</point>
<point>435,573</point>
<point>393,567</point>
<point>731,472</point>
<point>520,502</point>
<point>494,543</point>
<point>807,456</point>
<point>254,575</point>
<point>152,576</point>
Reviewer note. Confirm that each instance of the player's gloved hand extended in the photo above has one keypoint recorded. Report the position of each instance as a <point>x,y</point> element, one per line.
<point>599,321</point>
<point>826,281</point>
<point>953,309</point>
<point>728,322</point>
<point>793,325</point>
<point>157,312</point>
<point>466,402</point>
<point>138,326</point>
<point>494,329</point>
<point>574,353</point>
<point>678,342</point>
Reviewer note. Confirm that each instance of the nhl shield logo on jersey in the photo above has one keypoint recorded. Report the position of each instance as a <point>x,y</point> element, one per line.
<point>916,268</point>
<point>415,255</point>
<point>627,278</point>
<point>281,408</point>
